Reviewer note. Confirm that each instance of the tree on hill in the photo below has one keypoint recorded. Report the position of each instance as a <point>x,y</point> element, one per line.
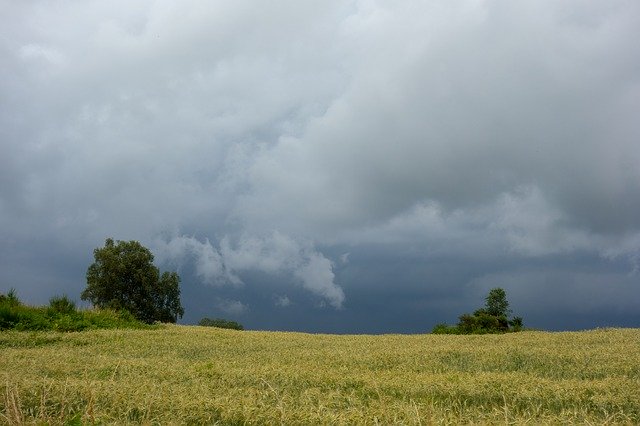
<point>496,303</point>
<point>123,276</point>
<point>493,318</point>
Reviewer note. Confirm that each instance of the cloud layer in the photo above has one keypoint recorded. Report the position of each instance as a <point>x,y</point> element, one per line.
<point>260,143</point>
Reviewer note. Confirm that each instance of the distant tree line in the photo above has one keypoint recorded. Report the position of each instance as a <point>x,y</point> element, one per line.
<point>220,323</point>
<point>129,290</point>
<point>493,318</point>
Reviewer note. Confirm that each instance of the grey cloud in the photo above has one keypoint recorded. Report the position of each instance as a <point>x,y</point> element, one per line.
<point>282,301</point>
<point>540,297</point>
<point>465,116</point>
<point>492,134</point>
<point>232,307</point>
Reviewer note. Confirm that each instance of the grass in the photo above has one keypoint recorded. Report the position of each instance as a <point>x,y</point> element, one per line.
<point>203,375</point>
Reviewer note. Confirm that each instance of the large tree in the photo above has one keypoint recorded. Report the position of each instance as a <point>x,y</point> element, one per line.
<point>123,276</point>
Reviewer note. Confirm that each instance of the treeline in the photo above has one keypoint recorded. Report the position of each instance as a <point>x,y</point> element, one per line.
<point>128,291</point>
<point>60,315</point>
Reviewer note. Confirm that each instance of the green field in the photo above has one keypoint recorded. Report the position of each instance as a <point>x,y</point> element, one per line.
<point>202,375</point>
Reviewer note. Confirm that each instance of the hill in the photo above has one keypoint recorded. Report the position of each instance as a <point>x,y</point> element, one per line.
<point>188,374</point>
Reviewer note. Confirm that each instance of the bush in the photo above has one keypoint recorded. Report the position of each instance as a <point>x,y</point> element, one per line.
<point>490,319</point>
<point>220,323</point>
<point>516,324</point>
<point>8,317</point>
<point>60,315</point>
<point>445,329</point>
<point>62,305</point>
<point>10,299</point>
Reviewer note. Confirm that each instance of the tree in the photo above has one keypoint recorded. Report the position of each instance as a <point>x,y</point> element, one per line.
<point>123,276</point>
<point>496,303</point>
<point>493,318</point>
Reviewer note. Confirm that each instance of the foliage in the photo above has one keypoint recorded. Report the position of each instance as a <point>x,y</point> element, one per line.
<point>220,323</point>
<point>204,375</point>
<point>123,277</point>
<point>445,329</point>
<point>60,315</point>
<point>493,318</point>
<point>516,324</point>
<point>62,305</point>
<point>10,299</point>
<point>496,303</point>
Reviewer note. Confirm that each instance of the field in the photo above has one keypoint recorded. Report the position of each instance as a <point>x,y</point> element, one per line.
<point>202,375</point>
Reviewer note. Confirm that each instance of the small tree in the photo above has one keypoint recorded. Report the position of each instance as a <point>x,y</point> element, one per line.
<point>123,277</point>
<point>493,318</point>
<point>497,304</point>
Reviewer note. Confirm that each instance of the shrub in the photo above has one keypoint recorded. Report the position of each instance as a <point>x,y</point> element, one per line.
<point>62,305</point>
<point>445,329</point>
<point>220,323</point>
<point>516,324</point>
<point>8,317</point>
<point>10,299</point>
<point>60,315</point>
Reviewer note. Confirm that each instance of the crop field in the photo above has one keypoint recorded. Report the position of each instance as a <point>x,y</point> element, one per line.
<point>202,375</point>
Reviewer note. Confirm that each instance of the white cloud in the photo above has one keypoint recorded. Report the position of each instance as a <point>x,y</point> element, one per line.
<point>282,301</point>
<point>232,307</point>
<point>274,253</point>
<point>317,276</point>
<point>209,264</point>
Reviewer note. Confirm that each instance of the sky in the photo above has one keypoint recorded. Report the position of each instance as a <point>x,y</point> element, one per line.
<point>329,166</point>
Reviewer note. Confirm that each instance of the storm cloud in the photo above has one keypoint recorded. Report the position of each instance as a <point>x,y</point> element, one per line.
<point>338,166</point>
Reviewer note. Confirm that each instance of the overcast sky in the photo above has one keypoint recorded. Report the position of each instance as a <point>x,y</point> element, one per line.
<point>329,166</point>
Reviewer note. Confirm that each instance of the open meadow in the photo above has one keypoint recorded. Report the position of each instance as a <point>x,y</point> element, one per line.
<point>203,375</point>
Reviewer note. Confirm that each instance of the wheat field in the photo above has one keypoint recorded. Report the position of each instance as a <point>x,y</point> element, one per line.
<point>200,375</point>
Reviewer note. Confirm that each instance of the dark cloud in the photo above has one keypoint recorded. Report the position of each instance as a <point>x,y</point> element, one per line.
<point>338,166</point>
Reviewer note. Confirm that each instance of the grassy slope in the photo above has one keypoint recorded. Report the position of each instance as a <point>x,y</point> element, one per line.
<point>180,374</point>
